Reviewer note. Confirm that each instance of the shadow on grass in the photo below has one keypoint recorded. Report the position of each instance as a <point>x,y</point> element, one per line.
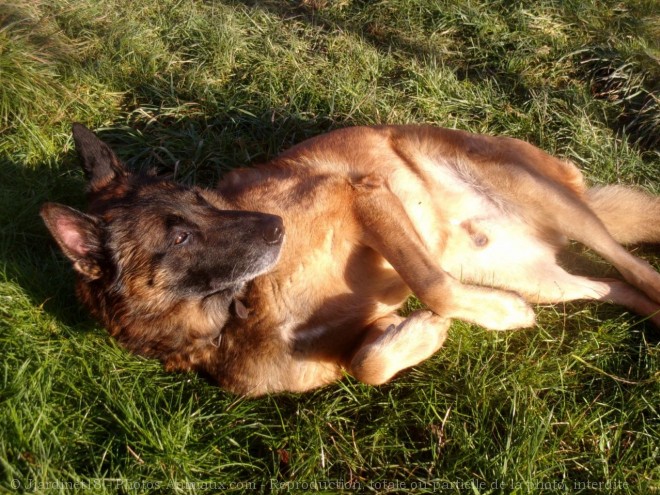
<point>26,254</point>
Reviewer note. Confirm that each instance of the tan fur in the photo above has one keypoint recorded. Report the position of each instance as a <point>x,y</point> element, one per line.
<point>630,215</point>
<point>470,224</point>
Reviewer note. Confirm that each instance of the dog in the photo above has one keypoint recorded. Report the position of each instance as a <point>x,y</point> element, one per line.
<point>289,274</point>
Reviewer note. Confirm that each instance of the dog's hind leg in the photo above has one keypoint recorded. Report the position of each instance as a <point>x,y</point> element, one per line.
<point>635,270</point>
<point>554,208</point>
<point>583,226</point>
<point>387,229</point>
<point>393,343</point>
<point>550,284</point>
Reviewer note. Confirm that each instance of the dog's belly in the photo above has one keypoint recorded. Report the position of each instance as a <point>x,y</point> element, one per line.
<point>494,251</point>
<point>474,235</point>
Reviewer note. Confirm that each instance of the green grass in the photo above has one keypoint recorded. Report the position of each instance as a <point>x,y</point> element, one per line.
<point>196,88</point>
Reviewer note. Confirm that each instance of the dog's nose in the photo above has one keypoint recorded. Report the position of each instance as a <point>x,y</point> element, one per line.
<point>273,232</point>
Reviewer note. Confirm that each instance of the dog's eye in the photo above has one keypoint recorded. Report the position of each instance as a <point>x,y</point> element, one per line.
<point>181,238</point>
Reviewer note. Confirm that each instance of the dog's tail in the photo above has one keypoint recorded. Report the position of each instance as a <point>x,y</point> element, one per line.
<point>630,215</point>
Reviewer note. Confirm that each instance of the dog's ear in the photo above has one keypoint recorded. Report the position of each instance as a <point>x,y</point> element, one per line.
<point>99,162</point>
<point>78,236</point>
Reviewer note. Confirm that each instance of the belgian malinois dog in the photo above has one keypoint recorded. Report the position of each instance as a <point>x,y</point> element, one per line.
<point>290,273</point>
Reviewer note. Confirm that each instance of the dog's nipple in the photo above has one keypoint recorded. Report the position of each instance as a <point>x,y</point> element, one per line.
<point>479,239</point>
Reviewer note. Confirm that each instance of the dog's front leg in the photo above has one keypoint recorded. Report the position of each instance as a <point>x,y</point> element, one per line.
<point>387,229</point>
<point>393,344</point>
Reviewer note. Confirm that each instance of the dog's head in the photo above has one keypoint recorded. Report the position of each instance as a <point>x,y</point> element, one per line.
<point>157,262</point>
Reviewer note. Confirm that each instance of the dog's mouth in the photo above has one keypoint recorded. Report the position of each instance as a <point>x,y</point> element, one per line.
<point>235,285</point>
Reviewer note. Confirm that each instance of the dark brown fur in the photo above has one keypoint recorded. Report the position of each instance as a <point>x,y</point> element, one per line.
<point>206,280</point>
